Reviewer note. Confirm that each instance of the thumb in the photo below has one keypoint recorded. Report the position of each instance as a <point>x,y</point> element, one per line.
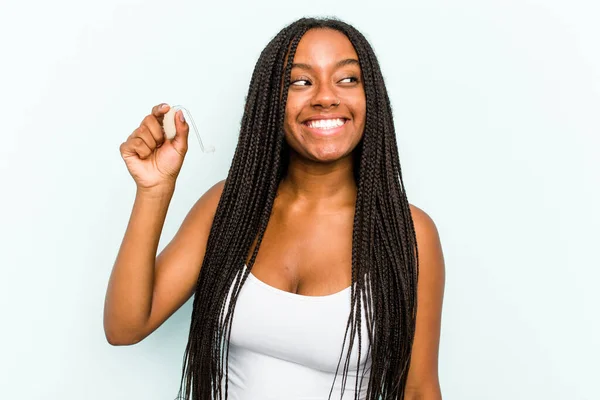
<point>182,129</point>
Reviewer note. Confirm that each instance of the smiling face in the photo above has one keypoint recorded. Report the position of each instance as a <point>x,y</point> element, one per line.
<point>326,106</point>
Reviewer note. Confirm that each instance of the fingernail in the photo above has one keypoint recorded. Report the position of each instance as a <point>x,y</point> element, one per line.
<point>162,107</point>
<point>181,117</point>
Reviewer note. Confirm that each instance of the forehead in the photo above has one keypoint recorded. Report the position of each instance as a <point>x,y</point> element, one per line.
<point>324,46</point>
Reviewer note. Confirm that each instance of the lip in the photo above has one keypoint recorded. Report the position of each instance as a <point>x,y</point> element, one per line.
<point>325,132</point>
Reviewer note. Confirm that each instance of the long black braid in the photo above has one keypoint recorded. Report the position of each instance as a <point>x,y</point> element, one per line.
<point>384,248</point>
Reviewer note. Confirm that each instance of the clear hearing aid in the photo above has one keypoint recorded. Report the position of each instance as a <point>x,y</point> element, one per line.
<point>169,126</point>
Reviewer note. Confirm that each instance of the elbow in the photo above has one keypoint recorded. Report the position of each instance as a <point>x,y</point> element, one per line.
<point>429,394</point>
<point>420,396</point>
<point>116,336</point>
<point>119,340</point>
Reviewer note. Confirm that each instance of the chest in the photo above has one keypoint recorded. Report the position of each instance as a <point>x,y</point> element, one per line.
<point>303,330</point>
<point>306,252</point>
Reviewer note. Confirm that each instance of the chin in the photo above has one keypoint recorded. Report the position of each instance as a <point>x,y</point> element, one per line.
<point>322,151</point>
<point>328,155</point>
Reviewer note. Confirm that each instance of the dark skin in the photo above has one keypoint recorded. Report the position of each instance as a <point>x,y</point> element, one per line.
<point>307,246</point>
<point>308,242</point>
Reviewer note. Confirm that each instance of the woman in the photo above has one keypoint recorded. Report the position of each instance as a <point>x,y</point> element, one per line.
<point>310,239</point>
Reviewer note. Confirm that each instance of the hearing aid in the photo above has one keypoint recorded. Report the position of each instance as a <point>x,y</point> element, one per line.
<point>169,126</point>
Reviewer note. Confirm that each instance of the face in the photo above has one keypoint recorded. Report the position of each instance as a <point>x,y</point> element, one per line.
<point>326,106</point>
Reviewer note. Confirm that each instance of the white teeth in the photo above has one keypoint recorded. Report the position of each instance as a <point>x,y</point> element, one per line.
<point>326,123</point>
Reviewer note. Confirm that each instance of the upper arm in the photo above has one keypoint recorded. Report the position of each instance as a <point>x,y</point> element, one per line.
<point>178,265</point>
<point>423,371</point>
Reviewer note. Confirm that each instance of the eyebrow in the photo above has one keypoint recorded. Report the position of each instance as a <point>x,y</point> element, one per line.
<point>339,64</point>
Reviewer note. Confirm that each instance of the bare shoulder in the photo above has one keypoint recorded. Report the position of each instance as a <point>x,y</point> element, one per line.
<point>203,211</point>
<point>424,224</point>
<point>210,199</point>
<point>189,242</point>
<point>216,190</point>
<point>428,238</point>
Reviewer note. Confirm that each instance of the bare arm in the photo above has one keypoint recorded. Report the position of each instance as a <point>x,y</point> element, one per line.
<point>422,382</point>
<point>145,290</point>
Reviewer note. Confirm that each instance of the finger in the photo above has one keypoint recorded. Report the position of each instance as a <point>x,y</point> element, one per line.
<point>180,141</point>
<point>135,146</point>
<point>160,110</point>
<point>143,132</point>
<point>141,148</point>
<point>154,128</point>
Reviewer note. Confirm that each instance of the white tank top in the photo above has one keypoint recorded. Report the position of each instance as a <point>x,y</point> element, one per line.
<point>287,346</point>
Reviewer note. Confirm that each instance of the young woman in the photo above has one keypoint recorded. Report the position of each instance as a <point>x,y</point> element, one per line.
<point>307,263</point>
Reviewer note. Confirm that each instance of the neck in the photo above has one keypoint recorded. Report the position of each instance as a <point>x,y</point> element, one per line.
<point>315,183</point>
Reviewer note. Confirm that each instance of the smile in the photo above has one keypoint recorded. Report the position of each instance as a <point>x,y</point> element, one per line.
<point>325,124</point>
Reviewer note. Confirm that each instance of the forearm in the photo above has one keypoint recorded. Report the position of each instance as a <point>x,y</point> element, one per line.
<point>129,294</point>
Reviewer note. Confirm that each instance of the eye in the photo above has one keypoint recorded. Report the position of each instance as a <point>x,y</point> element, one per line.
<point>350,79</point>
<point>300,82</point>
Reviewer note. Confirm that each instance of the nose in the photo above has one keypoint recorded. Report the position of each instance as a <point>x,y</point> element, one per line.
<point>325,97</point>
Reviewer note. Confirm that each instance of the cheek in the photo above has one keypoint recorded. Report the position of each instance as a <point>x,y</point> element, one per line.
<point>359,115</point>
<point>361,108</point>
<point>291,117</point>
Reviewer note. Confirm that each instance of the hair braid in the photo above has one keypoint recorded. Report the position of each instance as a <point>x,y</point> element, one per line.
<point>384,258</point>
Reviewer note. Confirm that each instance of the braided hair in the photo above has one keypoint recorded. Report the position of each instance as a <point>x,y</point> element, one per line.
<point>384,247</point>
